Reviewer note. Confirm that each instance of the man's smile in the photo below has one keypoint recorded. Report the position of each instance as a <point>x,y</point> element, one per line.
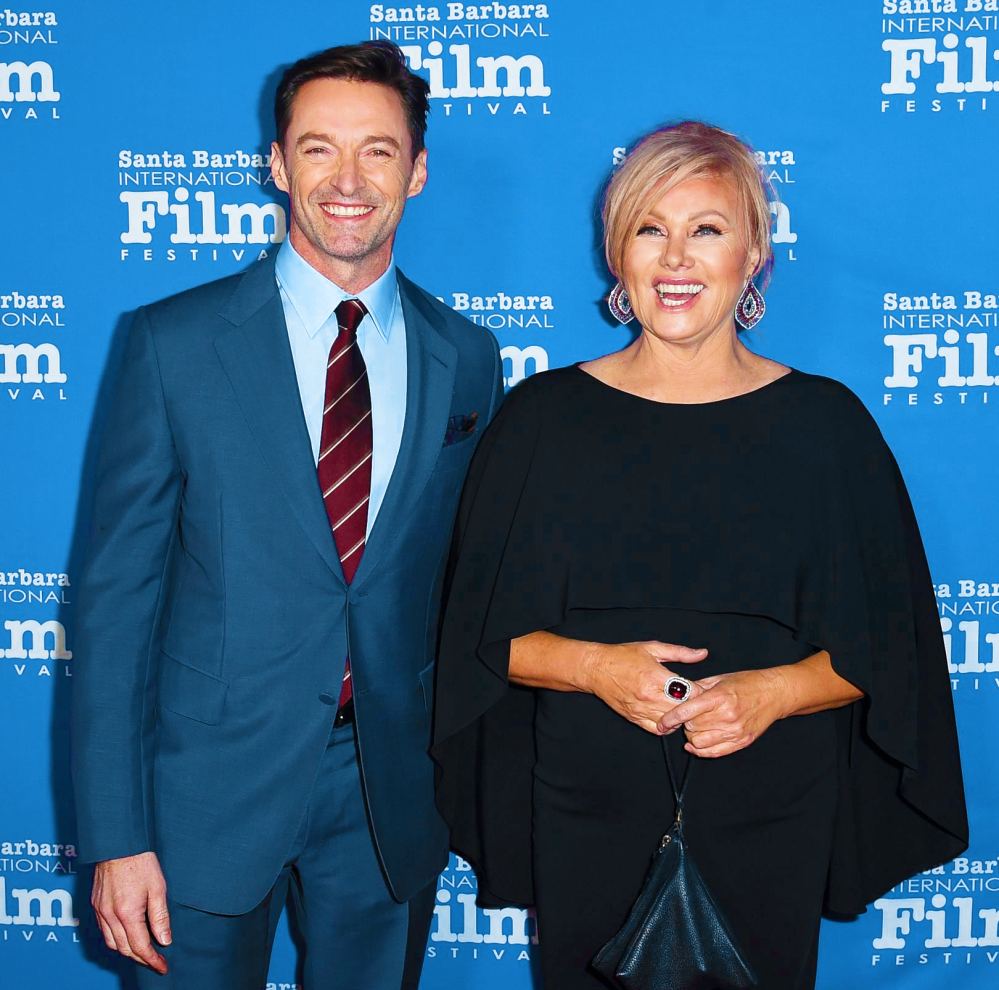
<point>345,210</point>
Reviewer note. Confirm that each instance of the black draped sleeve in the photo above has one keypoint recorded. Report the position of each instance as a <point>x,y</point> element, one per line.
<point>871,606</point>
<point>845,571</point>
<point>497,589</point>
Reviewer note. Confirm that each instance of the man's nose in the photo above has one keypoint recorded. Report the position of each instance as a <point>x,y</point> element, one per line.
<point>348,178</point>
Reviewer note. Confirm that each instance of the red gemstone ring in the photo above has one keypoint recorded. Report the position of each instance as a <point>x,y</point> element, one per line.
<point>678,689</point>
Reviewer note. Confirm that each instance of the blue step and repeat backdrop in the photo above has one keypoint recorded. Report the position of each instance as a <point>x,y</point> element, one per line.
<point>134,164</point>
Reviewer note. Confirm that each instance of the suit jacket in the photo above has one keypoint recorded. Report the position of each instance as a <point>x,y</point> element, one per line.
<point>214,616</point>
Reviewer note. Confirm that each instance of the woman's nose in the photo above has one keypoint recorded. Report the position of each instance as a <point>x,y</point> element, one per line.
<point>674,253</point>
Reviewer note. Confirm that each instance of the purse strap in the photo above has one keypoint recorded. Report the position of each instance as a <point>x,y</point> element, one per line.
<point>678,791</point>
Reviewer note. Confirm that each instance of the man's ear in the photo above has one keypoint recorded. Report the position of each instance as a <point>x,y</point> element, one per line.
<point>418,179</point>
<point>278,171</point>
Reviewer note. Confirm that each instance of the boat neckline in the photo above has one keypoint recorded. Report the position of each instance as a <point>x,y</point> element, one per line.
<point>790,373</point>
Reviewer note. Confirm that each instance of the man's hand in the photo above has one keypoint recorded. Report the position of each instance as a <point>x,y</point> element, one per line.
<point>129,899</point>
<point>630,678</point>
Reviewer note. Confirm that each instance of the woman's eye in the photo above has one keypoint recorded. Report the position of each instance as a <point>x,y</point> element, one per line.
<point>649,229</point>
<point>707,228</point>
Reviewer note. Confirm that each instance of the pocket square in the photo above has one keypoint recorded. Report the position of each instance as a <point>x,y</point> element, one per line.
<point>460,428</point>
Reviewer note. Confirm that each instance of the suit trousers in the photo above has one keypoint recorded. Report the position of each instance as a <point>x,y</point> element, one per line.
<point>357,937</point>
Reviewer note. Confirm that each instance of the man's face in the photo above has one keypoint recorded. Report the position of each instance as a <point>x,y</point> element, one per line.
<point>347,165</point>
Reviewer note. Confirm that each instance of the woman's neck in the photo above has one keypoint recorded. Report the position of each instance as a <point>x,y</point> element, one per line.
<point>715,368</point>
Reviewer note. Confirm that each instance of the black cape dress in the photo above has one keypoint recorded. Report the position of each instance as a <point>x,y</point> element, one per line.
<point>765,527</point>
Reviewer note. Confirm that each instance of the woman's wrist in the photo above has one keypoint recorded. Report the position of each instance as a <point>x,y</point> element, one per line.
<point>811,685</point>
<point>784,688</point>
<point>590,666</point>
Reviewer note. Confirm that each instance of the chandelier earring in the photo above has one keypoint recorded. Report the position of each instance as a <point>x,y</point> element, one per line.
<point>620,305</point>
<point>750,308</point>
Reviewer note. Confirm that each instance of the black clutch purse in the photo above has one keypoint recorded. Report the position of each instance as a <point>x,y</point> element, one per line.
<point>675,937</point>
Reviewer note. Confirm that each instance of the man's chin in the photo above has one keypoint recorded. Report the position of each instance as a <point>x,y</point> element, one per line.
<point>344,249</point>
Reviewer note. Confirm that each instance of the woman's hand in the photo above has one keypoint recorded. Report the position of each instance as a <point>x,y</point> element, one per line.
<point>630,678</point>
<point>730,711</point>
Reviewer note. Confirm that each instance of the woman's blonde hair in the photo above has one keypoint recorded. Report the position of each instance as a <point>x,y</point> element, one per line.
<point>669,156</point>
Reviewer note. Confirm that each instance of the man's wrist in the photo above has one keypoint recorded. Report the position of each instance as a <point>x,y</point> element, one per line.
<point>119,859</point>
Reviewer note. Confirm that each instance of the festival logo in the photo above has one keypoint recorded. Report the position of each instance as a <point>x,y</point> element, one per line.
<point>939,56</point>
<point>36,913</point>
<point>940,918</point>
<point>522,318</point>
<point>480,59</point>
<point>522,362</point>
<point>36,900</point>
<point>505,312</point>
<point>23,856</point>
<point>941,347</point>
<point>31,364</point>
<point>22,587</point>
<point>969,618</point>
<point>31,370</point>
<point>19,310</point>
<point>778,167</point>
<point>463,934</point>
<point>34,648</point>
<point>33,642</point>
<point>28,89</point>
<point>197,206</point>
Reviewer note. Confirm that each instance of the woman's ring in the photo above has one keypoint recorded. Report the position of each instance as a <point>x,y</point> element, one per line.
<point>677,689</point>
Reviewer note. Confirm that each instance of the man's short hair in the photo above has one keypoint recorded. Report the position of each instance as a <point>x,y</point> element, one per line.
<point>370,61</point>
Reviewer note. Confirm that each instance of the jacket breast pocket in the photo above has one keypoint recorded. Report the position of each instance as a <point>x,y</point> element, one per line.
<point>192,693</point>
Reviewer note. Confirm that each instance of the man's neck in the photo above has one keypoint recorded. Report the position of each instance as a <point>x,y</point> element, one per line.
<point>351,276</point>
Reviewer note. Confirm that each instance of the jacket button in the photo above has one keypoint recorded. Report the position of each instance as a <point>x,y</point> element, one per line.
<point>327,699</point>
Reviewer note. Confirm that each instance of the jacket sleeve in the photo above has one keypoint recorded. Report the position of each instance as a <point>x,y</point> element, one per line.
<point>134,522</point>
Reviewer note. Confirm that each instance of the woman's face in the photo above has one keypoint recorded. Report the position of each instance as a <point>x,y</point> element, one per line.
<point>686,267</point>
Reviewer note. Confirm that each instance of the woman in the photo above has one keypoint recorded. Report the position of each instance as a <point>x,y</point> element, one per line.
<point>688,491</point>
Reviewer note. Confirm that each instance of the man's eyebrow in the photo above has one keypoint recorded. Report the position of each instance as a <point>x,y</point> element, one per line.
<point>313,136</point>
<point>382,139</point>
<point>328,139</point>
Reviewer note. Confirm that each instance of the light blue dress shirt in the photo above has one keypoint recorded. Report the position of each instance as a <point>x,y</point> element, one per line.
<point>309,300</point>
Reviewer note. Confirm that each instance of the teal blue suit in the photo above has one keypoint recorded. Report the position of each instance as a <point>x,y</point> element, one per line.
<point>214,616</point>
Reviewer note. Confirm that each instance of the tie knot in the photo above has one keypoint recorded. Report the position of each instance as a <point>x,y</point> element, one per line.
<point>349,314</point>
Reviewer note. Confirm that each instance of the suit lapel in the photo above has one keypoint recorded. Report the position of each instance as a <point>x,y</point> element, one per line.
<point>256,356</point>
<point>431,364</point>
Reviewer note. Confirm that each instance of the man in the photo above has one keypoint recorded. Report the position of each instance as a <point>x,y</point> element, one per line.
<point>274,502</point>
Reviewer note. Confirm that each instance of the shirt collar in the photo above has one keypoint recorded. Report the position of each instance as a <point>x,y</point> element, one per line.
<point>315,297</point>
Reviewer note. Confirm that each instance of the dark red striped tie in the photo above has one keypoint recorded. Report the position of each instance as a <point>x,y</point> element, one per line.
<point>345,448</point>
